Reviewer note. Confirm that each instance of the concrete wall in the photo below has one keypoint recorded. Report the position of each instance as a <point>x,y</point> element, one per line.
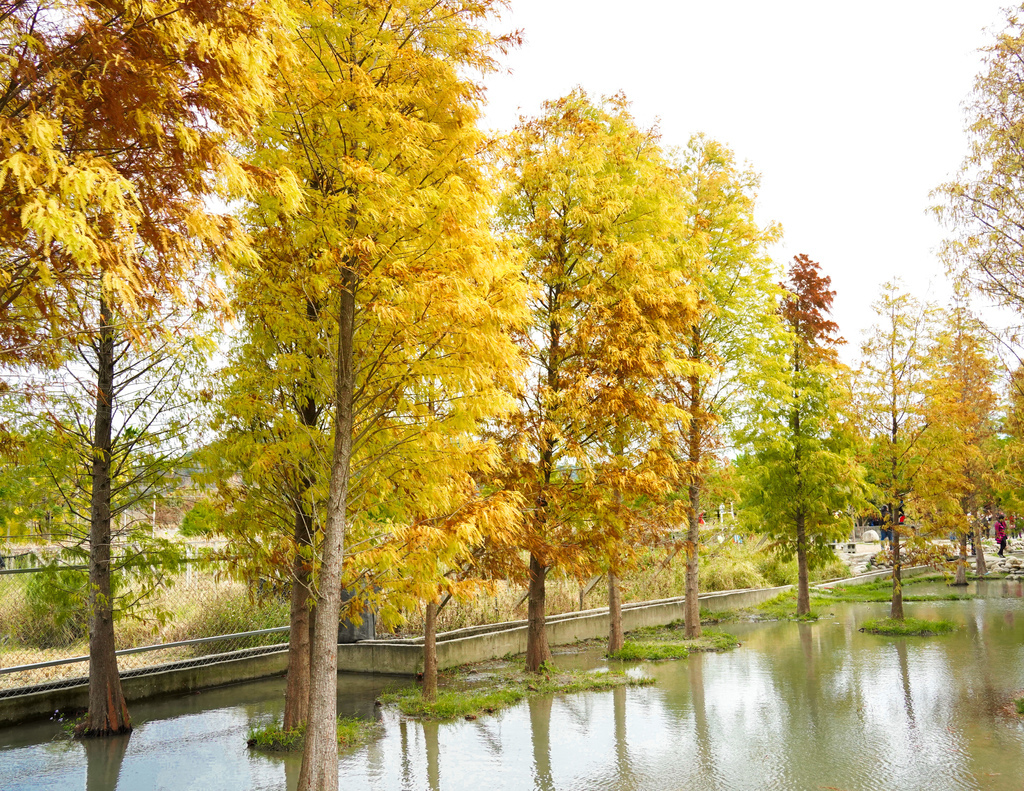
<point>172,679</point>
<point>480,643</point>
<point>398,657</point>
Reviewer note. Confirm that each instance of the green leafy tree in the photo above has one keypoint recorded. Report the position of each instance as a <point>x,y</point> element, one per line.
<point>734,280</point>
<point>116,128</point>
<point>112,449</point>
<point>801,474</point>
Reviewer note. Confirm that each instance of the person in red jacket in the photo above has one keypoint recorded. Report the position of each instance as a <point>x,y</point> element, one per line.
<point>1001,534</point>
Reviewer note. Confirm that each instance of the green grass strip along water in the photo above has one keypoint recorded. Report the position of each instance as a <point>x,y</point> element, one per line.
<point>667,642</point>
<point>907,627</point>
<point>504,689</point>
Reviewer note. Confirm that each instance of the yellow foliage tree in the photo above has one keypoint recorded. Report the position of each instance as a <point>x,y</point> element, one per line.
<point>737,297</point>
<point>589,202</point>
<point>961,476</point>
<point>378,121</point>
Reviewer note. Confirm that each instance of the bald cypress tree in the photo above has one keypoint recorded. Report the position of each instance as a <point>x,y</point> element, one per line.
<point>802,474</point>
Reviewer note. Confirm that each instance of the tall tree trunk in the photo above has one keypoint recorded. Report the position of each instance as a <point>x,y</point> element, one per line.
<point>430,653</point>
<point>296,696</point>
<point>615,636</point>
<point>691,608</point>
<point>537,651</point>
<point>320,752</point>
<point>108,712</point>
<point>803,593</point>
<point>961,561</point>
<point>980,567</point>
<point>896,611</point>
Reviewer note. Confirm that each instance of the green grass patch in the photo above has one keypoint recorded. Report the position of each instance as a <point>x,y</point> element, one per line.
<point>713,618</point>
<point>782,608</point>
<point>352,731</point>
<point>908,627</point>
<point>654,652</point>
<point>1019,705</point>
<point>658,643</point>
<point>503,690</point>
<point>882,591</point>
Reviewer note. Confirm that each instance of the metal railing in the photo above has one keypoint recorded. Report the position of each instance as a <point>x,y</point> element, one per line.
<point>196,617</point>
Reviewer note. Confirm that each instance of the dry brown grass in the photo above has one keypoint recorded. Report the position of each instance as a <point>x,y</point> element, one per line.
<point>199,604</point>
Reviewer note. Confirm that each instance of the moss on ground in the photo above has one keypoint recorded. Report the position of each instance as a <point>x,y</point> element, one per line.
<point>907,627</point>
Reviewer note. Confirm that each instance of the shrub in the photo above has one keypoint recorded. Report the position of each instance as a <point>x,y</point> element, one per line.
<point>231,611</point>
<point>200,520</point>
<point>56,611</point>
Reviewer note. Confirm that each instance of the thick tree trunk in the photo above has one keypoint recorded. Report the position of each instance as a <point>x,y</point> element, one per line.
<point>803,593</point>
<point>537,651</point>
<point>896,611</point>
<point>980,567</point>
<point>296,696</point>
<point>319,770</point>
<point>961,562</point>
<point>615,636</point>
<point>108,712</point>
<point>430,653</point>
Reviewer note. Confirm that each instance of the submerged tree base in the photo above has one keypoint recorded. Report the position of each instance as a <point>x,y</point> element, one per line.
<point>666,642</point>
<point>502,690</point>
<point>907,627</point>
<point>352,731</point>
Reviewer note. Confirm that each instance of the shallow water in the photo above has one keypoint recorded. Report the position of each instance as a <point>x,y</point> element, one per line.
<point>797,706</point>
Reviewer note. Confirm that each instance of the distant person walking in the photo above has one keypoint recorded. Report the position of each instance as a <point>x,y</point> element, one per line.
<point>1001,535</point>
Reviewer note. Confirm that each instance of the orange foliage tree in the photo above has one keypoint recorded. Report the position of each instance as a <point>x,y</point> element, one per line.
<point>588,203</point>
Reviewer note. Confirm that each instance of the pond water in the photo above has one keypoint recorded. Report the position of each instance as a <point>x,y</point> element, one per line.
<point>797,706</point>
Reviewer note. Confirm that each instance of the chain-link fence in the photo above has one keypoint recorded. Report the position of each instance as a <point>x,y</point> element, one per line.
<point>192,616</point>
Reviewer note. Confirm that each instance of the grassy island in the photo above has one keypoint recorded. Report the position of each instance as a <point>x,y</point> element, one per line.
<point>352,732</point>
<point>907,627</point>
<point>667,642</point>
<point>502,689</point>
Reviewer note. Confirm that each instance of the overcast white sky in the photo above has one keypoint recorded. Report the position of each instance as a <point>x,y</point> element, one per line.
<point>851,113</point>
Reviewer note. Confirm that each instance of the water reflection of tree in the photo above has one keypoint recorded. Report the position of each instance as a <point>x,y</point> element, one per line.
<point>292,765</point>
<point>430,736</point>
<point>908,694</point>
<point>103,761</point>
<point>704,747</point>
<point>623,767</point>
<point>403,736</point>
<point>540,727</point>
<point>812,688</point>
